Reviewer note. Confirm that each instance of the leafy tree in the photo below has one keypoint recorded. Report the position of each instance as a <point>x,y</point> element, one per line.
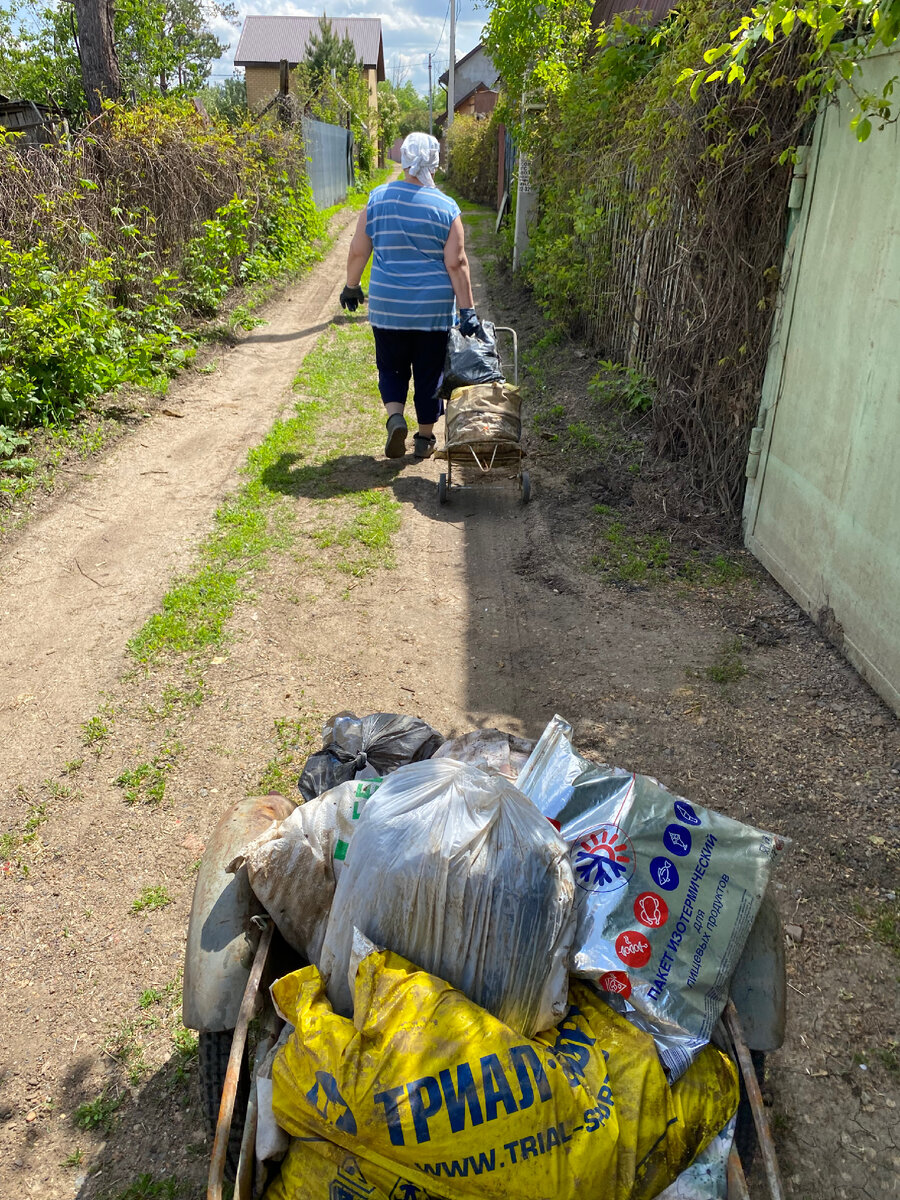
<point>165,45</point>
<point>161,45</point>
<point>328,55</point>
<point>228,101</point>
<point>38,56</point>
<point>411,108</point>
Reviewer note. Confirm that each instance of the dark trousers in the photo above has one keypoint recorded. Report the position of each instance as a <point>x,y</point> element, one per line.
<point>401,353</point>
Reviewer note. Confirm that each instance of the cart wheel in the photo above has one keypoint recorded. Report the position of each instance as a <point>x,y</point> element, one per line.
<point>213,1050</point>
<point>525,484</point>
<point>442,488</point>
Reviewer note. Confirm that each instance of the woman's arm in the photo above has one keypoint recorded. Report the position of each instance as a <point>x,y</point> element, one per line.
<point>360,252</point>
<point>458,265</point>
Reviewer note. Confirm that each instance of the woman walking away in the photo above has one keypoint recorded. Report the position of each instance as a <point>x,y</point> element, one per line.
<point>419,268</point>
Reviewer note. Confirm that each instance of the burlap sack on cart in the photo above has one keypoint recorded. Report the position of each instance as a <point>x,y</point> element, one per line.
<point>426,1094</point>
<point>486,412</point>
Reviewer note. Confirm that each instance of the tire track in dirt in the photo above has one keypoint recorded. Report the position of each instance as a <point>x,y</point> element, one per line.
<point>85,576</point>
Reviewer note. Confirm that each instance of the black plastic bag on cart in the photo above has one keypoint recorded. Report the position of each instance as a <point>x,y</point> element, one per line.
<point>471,360</point>
<point>380,741</point>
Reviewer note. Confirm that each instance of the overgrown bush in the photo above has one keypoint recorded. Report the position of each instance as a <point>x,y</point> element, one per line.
<point>472,158</point>
<point>661,219</point>
<point>110,245</point>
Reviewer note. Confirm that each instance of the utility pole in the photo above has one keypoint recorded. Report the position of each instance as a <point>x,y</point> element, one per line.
<point>451,74</point>
<point>430,112</point>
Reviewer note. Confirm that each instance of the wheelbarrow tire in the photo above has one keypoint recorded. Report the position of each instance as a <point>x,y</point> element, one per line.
<point>442,488</point>
<point>525,484</point>
<point>213,1051</point>
<point>745,1139</point>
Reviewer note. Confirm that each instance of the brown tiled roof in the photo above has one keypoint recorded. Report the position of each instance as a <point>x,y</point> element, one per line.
<point>637,10</point>
<point>267,40</point>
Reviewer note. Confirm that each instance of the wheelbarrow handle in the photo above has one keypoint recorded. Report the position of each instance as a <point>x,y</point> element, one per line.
<point>232,1074</point>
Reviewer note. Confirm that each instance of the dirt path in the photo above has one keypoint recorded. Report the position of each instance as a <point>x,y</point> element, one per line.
<point>86,575</point>
<point>482,613</point>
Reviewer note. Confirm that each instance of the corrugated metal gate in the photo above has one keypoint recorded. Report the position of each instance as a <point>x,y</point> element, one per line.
<point>822,510</point>
<point>329,149</point>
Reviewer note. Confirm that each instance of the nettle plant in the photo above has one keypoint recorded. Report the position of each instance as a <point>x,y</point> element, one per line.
<point>837,38</point>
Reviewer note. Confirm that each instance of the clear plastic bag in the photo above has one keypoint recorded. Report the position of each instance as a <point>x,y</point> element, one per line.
<point>351,744</point>
<point>490,750</point>
<point>457,871</point>
<point>667,891</point>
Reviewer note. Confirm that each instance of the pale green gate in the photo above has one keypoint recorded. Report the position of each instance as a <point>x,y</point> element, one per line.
<point>822,508</point>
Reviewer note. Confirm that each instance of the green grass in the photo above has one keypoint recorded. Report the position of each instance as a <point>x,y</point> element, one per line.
<point>148,1187</point>
<point>147,781</point>
<point>124,1047</point>
<point>728,665</point>
<point>630,558</point>
<point>295,739</point>
<point>886,926</point>
<point>196,609</point>
<point>338,417</point>
<point>97,1114</point>
<point>97,728</point>
<point>151,899</point>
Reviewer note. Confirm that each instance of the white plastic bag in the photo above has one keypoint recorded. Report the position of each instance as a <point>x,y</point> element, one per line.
<point>458,872</point>
<point>293,867</point>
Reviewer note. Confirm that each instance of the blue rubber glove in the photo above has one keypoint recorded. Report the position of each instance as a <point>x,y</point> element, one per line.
<point>469,325</point>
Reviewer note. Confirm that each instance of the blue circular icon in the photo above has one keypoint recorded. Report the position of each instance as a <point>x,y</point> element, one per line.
<point>677,840</point>
<point>684,812</point>
<point>664,873</point>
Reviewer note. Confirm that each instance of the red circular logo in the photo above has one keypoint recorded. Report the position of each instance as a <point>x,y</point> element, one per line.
<point>633,948</point>
<point>651,910</point>
<point>616,982</point>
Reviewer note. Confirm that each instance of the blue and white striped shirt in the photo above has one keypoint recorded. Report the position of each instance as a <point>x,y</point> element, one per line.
<point>409,287</point>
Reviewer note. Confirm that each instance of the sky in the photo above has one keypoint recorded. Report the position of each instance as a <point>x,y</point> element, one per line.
<point>410,30</point>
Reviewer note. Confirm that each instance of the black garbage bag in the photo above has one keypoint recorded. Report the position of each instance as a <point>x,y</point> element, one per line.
<point>471,360</point>
<point>384,741</point>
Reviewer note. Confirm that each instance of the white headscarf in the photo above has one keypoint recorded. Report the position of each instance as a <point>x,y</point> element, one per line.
<point>420,155</point>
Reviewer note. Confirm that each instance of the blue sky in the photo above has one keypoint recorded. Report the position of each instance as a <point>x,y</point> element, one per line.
<point>410,32</point>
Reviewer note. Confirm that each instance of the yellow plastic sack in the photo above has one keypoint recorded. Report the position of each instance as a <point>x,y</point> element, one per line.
<point>425,1094</point>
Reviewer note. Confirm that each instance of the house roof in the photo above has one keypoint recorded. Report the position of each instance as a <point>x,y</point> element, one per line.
<point>265,41</point>
<point>654,10</point>
<point>492,72</point>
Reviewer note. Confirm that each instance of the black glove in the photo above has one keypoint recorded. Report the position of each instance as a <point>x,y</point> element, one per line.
<point>352,297</point>
<point>469,325</point>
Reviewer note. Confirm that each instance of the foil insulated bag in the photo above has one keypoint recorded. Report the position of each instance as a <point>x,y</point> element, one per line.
<point>666,891</point>
<point>456,870</point>
<point>486,412</point>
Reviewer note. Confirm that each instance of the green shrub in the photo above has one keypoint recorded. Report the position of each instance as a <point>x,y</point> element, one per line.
<point>472,158</point>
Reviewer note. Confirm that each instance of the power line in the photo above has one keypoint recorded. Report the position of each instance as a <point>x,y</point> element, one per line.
<point>443,27</point>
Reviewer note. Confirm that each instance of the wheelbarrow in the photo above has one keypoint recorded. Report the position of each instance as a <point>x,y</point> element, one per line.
<point>234,952</point>
<point>483,432</point>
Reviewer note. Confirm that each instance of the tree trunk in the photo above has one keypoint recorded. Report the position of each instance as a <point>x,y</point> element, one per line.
<point>97,51</point>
